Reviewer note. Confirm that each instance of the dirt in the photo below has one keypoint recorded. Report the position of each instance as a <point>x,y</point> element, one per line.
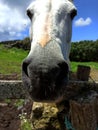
<point>14,76</point>
<point>94,75</point>
<point>9,115</point>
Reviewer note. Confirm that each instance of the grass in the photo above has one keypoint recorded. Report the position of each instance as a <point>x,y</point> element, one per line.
<point>93,65</point>
<point>11,59</point>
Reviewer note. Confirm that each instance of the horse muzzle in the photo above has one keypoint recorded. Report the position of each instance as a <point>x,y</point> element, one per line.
<point>45,82</point>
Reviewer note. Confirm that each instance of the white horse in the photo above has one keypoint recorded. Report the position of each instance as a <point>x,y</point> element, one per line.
<point>45,70</point>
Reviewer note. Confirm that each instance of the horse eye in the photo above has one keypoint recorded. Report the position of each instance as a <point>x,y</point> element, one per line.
<point>73,13</point>
<point>29,14</point>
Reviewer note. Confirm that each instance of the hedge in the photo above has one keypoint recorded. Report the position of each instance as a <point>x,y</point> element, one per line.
<point>84,51</point>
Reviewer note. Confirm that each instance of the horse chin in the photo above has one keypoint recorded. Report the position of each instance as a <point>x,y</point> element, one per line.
<point>47,96</point>
<point>41,92</point>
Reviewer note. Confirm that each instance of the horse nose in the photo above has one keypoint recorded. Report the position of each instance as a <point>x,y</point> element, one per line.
<point>25,65</point>
<point>57,71</point>
<point>62,76</point>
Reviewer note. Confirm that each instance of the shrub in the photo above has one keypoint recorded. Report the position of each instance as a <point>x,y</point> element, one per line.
<point>84,51</point>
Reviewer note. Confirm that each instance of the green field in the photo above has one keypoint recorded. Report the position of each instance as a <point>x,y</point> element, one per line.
<point>11,59</point>
<point>93,65</point>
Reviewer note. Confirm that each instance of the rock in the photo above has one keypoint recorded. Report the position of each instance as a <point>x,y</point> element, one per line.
<point>47,116</point>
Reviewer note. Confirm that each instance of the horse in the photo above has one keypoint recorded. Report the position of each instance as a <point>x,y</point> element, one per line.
<point>46,68</point>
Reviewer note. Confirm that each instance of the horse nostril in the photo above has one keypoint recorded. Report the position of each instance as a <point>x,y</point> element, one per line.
<point>64,67</point>
<point>63,75</point>
<point>25,67</point>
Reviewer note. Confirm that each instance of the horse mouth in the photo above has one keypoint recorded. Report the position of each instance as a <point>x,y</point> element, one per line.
<point>45,90</point>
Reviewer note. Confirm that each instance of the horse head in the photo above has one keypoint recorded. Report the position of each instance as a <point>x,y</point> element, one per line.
<point>45,69</point>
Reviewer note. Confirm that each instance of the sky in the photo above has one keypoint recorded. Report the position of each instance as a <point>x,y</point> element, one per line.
<point>85,24</point>
<point>14,23</point>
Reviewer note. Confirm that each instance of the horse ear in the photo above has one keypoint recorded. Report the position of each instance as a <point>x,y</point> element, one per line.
<point>71,0</point>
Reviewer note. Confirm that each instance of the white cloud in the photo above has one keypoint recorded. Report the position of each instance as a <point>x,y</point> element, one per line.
<point>83,22</point>
<point>13,19</point>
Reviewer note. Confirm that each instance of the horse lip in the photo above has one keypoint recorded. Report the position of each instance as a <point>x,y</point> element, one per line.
<point>27,82</point>
<point>58,95</point>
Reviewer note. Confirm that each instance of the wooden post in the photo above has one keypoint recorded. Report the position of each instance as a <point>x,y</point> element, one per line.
<point>84,112</point>
<point>83,72</point>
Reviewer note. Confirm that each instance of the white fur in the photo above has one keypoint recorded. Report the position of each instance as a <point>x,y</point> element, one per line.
<point>61,23</point>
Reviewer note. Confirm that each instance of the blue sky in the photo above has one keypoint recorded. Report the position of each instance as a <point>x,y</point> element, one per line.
<point>85,24</point>
<point>14,24</point>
